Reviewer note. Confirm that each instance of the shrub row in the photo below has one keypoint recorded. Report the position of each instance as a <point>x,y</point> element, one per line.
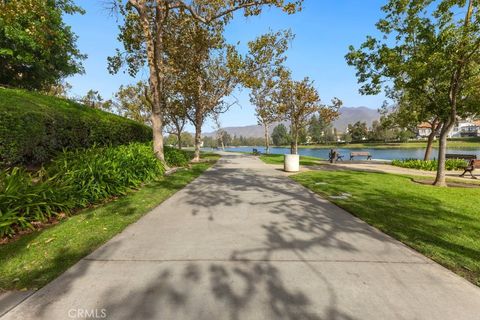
<point>177,158</point>
<point>430,165</point>
<point>76,179</point>
<point>34,128</point>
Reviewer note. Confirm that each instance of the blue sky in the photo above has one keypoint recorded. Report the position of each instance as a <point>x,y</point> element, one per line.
<point>324,30</point>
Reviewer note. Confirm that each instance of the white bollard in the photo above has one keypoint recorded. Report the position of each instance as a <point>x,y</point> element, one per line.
<point>292,163</point>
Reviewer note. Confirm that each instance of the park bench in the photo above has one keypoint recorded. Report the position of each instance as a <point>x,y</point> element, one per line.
<point>473,163</point>
<point>360,154</point>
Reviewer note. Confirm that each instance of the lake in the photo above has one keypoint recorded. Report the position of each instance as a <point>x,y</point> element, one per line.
<point>377,154</point>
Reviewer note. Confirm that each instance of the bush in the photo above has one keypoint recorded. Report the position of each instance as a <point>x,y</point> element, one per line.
<point>25,198</point>
<point>430,165</point>
<point>177,158</point>
<point>75,179</point>
<point>34,127</point>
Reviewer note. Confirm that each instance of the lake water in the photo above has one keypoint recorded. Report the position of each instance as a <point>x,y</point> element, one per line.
<point>377,154</point>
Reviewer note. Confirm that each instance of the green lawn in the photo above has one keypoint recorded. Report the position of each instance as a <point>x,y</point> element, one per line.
<point>39,257</point>
<point>441,223</point>
<point>278,159</point>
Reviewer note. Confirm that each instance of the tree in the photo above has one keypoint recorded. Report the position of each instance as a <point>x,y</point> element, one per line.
<point>358,130</point>
<point>93,99</point>
<point>319,130</point>
<point>378,132</point>
<point>208,76</point>
<point>133,102</point>
<point>315,129</point>
<point>409,111</point>
<point>176,119</point>
<point>347,137</point>
<point>266,112</point>
<point>37,49</point>
<point>430,52</point>
<point>280,136</point>
<point>186,140</point>
<point>143,34</point>
<point>298,100</point>
<point>225,139</point>
<point>263,67</point>
<point>61,89</point>
<point>219,132</point>
<point>209,142</point>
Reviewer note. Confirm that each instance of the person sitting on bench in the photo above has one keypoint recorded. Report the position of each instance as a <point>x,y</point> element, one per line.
<point>472,165</point>
<point>333,155</point>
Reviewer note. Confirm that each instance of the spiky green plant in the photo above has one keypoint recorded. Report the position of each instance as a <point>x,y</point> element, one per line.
<point>430,165</point>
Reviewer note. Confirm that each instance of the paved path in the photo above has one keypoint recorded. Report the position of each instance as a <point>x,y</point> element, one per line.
<point>387,168</point>
<point>245,242</point>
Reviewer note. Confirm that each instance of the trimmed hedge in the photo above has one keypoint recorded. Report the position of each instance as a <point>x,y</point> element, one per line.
<point>35,127</point>
<point>430,165</point>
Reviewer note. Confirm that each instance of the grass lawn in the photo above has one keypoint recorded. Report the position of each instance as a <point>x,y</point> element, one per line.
<point>278,159</point>
<point>37,258</point>
<point>441,223</point>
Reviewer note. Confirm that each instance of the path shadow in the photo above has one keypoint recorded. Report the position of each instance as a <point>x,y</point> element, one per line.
<point>250,283</point>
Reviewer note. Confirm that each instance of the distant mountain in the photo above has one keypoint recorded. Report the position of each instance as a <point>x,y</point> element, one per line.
<point>352,115</point>
<point>348,115</point>
<point>253,131</point>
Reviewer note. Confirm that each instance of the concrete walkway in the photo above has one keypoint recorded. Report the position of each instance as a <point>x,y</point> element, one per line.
<point>245,242</point>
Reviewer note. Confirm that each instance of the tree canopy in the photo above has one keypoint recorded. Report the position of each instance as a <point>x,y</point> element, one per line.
<point>37,49</point>
<point>280,135</point>
<point>144,35</point>
<point>428,58</point>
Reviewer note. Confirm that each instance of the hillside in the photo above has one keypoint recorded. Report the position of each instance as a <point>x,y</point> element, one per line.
<point>34,127</point>
<point>352,115</point>
<point>347,116</point>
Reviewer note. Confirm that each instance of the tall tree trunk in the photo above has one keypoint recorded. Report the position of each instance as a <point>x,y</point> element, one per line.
<point>428,150</point>
<point>179,140</point>
<point>454,94</point>
<point>436,125</point>
<point>198,143</point>
<point>154,45</point>
<point>442,150</point>
<point>267,140</point>
<point>198,134</point>
<point>157,126</point>
<point>179,133</point>
<point>221,142</point>
<point>295,142</point>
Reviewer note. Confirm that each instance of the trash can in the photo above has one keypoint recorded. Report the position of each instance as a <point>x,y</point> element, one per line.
<point>292,163</point>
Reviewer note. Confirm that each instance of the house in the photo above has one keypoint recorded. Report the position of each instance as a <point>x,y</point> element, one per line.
<point>472,130</point>
<point>463,128</point>
<point>424,130</point>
